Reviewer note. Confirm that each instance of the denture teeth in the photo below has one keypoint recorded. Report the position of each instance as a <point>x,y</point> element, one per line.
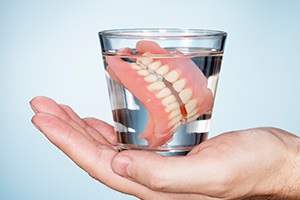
<point>185,95</point>
<point>154,66</point>
<point>191,105</point>
<point>151,78</point>
<point>147,53</point>
<point>179,85</point>
<point>174,113</point>
<point>175,120</point>
<point>172,106</point>
<point>145,61</point>
<point>191,114</point>
<point>169,100</point>
<point>162,70</point>
<point>135,66</point>
<point>157,85</point>
<point>164,93</point>
<point>143,72</point>
<point>172,76</point>
<point>192,118</point>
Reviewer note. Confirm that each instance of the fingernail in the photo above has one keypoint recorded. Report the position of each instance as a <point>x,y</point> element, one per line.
<point>32,107</point>
<point>121,165</point>
<point>36,126</point>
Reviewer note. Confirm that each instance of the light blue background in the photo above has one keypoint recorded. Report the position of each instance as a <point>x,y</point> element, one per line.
<point>51,48</point>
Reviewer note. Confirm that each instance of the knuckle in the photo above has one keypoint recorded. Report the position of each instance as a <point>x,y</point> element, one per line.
<point>156,181</point>
<point>223,183</point>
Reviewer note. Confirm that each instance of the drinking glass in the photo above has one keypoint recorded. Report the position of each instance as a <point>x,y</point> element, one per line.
<point>162,84</point>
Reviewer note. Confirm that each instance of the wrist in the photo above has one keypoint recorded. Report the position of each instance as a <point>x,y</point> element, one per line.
<point>288,178</point>
<point>292,186</point>
<point>283,181</point>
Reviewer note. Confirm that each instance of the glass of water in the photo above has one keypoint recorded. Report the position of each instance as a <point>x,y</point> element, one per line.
<point>162,85</point>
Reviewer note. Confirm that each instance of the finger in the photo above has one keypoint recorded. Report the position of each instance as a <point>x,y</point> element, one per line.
<point>93,134</point>
<point>47,105</point>
<point>81,150</point>
<point>187,174</point>
<point>65,137</point>
<point>104,128</point>
<point>71,115</point>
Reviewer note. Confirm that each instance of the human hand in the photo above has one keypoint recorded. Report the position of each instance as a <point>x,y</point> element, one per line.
<point>233,165</point>
<point>90,143</point>
<point>260,163</point>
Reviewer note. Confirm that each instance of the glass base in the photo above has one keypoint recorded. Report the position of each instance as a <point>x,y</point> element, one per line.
<point>181,144</point>
<point>163,150</point>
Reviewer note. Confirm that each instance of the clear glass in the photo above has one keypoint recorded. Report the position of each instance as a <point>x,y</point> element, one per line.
<point>162,84</point>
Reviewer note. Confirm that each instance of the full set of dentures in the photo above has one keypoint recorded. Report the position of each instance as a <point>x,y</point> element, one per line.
<point>173,90</point>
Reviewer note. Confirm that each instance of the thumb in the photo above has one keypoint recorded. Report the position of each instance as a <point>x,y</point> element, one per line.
<point>159,173</point>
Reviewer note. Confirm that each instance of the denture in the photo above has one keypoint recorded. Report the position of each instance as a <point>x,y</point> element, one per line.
<point>173,90</point>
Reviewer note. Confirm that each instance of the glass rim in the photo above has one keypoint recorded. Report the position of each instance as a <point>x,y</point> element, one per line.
<point>162,33</point>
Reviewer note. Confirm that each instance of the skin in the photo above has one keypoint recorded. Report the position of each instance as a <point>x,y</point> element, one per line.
<point>258,163</point>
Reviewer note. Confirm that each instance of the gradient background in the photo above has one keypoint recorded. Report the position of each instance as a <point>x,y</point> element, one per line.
<point>51,48</point>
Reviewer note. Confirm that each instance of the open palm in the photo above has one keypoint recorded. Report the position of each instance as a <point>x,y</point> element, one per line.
<point>90,143</point>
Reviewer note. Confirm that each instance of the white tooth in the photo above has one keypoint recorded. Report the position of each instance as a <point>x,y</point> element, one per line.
<point>148,53</point>
<point>157,85</point>
<point>143,72</point>
<point>174,113</point>
<point>172,76</point>
<point>175,120</point>
<point>135,66</point>
<point>145,61</point>
<point>179,85</point>
<point>154,66</point>
<point>185,95</point>
<point>162,70</point>
<point>151,78</point>
<point>172,106</point>
<point>191,105</point>
<point>169,100</point>
<point>164,93</point>
<point>191,114</point>
<point>193,118</point>
<point>142,66</point>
